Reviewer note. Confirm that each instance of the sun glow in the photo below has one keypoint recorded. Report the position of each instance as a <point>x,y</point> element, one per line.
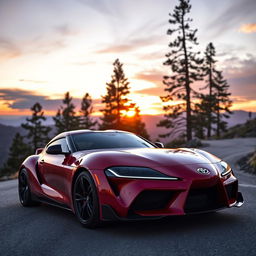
<point>130,113</point>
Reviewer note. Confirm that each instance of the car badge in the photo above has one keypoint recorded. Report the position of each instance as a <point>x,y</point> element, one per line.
<point>203,171</point>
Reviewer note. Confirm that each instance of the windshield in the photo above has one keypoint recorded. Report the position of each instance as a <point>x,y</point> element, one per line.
<point>103,140</point>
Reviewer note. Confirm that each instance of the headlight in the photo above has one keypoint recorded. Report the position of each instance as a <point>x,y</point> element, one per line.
<point>225,169</point>
<point>129,172</point>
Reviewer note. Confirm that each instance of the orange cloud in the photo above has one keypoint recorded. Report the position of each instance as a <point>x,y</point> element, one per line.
<point>248,28</point>
<point>152,76</point>
<point>154,91</point>
<point>243,103</point>
<point>247,106</point>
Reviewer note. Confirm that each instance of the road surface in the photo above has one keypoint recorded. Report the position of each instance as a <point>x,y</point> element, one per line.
<point>50,231</point>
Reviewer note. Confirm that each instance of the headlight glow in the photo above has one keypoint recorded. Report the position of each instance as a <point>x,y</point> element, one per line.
<point>225,168</point>
<point>130,172</point>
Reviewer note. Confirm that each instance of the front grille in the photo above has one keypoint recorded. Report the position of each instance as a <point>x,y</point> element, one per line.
<point>203,199</point>
<point>151,200</point>
<point>231,190</point>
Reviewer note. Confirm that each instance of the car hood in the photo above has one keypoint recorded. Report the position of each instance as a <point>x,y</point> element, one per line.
<point>148,157</point>
<point>171,157</point>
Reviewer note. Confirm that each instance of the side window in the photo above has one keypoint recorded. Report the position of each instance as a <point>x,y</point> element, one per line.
<point>61,142</point>
<point>64,145</point>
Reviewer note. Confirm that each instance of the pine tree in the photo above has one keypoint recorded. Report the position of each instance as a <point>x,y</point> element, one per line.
<point>37,132</point>
<point>216,103</point>
<point>86,121</point>
<point>223,103</point>
<point>185,66</point>
<point>115,100</point>
<point>210,72</point>
<point>66,119</point>
<point>200,118</point>
<point>18,151</point>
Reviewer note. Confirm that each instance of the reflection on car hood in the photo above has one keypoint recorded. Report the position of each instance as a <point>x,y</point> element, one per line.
<point>154,156</point>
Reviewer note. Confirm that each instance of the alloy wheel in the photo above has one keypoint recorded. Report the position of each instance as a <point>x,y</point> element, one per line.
<point>23,187</point>
<point>83,198</point>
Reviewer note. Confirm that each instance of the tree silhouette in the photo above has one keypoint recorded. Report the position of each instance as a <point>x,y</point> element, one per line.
<point>200,118</point>
<point>18,151</point>
<point>214,105</point>
<point>210,99</point>
<point>66,119</point>
<point>37,132</point>
<point>185,66</point>
<point>86,121</point>
<point>117,105</point>
<point>223,103</point>
<point>115,100</point>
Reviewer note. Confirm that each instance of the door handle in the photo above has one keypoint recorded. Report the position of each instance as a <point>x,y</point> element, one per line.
<point>41,161</point>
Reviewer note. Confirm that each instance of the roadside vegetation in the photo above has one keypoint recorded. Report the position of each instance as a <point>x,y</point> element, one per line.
<point>247,129</point>
<point>248,163</point>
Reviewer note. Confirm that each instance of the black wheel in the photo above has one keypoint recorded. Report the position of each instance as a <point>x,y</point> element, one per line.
<point>24,190</point>
<point>85,200</point>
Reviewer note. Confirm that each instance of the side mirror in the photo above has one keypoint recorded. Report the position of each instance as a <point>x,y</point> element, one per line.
<point>159,144</point>
<point>39,151</point>
<point>55,150</point>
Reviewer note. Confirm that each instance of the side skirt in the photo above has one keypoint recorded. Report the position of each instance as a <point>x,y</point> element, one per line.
<point>52,202</point>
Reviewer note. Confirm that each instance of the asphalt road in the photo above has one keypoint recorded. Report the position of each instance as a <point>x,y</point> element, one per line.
<point>47,230</point>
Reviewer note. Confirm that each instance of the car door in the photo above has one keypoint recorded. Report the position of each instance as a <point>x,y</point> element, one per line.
<point>56,171</point>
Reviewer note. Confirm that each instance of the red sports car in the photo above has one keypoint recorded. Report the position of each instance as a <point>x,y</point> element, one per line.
<point>116,175</point>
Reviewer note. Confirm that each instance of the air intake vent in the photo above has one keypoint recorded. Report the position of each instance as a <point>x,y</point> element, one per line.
<point>152,200</point>
<point>232,190</point>
<point>202,200</point>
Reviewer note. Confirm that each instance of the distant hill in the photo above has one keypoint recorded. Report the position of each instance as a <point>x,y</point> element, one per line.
<point>238,117</point>
<point>247,129</point>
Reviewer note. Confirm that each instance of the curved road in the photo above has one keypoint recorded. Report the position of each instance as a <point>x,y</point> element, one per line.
<point>46,230</point>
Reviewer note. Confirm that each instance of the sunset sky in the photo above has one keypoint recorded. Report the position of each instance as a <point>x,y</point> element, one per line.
<point>48,47</point>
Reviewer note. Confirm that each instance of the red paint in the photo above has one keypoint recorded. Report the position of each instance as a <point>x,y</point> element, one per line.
<point>53,178</point>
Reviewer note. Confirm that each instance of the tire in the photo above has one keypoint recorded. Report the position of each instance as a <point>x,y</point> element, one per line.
<point>25,194</point>
<point>85,200</point>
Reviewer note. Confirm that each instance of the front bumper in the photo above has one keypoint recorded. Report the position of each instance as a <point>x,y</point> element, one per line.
<point>133,199</point>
